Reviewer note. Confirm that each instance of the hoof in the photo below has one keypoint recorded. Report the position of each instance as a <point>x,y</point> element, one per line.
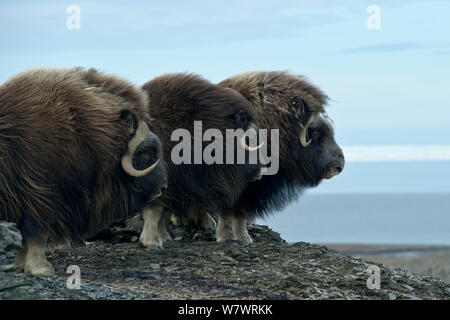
<point>225,238</point>
<point>153,244</point>
<point>246,241</point>
<point>208,223</point>
<point>43,270</point>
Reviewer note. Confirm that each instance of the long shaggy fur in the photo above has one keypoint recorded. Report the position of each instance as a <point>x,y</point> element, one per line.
<point>176,101</point>
<point>275,99</point>
<point>61,141</point>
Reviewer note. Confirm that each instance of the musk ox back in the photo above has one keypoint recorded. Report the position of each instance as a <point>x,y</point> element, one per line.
<point>178,101</point>
<point>308,152</point>
<point>75,154</point>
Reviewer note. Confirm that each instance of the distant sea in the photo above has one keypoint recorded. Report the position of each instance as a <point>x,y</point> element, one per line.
<point>373,203</point>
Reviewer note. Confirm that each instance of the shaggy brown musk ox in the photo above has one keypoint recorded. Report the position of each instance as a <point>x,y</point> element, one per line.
<point>308,152</point>
<point>176,101</point>
<point>75,154</point>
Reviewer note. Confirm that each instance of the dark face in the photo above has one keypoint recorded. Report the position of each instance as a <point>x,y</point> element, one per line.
<point>322,158</point>
<point>143,160</point>
<point>148,153</point>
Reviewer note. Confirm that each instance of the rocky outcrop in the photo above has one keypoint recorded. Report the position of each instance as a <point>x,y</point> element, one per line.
<point>10,242</point>
<point>114,266</point>
<point>10,282</point>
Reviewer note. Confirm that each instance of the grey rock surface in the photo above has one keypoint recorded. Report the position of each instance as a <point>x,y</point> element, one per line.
<point>114,266</point>
<point>10,242</point>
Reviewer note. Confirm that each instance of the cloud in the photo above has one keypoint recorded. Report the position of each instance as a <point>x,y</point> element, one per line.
<point>397,153</point>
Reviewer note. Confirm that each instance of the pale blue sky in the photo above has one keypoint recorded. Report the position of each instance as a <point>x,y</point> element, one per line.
<point>388,86</point>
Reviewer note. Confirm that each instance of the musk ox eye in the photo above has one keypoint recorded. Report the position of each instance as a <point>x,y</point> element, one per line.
<point>130,121</point>
<point>314,134</point>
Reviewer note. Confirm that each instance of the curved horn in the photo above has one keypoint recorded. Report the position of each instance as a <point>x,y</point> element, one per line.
<point>142,133</point>
<point>246,147</point>
<point>127,165</point>
<point>303,133</point>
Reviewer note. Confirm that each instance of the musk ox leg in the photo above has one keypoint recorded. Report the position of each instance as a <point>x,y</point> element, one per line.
<point>198,216</point>
<point>176,220</point>
<point>225,228</point>
<point>241,230</point>
<point>35,262</point>
<point>65,245</point>
<point>20,260</point>
<point>207,222</point>
<point>154,232</point>
<point>162,228</point>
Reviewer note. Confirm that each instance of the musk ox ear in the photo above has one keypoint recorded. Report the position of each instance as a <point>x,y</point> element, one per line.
<point>129,120</point>
<point>241,118</point>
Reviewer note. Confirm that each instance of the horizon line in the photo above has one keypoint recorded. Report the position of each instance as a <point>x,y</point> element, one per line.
<point>396,153</point>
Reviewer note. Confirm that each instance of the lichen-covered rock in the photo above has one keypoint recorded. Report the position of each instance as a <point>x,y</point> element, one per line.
<point>115,266</point>
<point>10,242</point>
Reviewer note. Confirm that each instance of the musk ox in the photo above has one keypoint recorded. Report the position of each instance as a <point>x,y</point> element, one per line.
<point>180,101</point>
<point>308,152</point>
<point>75,154</point>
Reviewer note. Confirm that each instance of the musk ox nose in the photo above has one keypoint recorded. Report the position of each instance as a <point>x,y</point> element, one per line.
<point>339,166</point>
<point>335,168</point>
<point>333,171</point>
